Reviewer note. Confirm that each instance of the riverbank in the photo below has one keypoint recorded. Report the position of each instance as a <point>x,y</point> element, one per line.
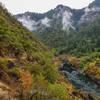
<point>92,85</point>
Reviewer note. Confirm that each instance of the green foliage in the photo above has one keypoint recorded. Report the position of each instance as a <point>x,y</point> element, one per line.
<point>92,57</point>
<point>89,61</point>
<point>90,65</point>
<point>50,73</point>
<point>58,92</point>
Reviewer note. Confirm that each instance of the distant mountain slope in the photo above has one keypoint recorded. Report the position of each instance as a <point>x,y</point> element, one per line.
<point>85,40</point>
<point>38,21</point>
<point>55,26</point>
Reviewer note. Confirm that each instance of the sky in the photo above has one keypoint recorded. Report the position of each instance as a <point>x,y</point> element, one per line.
<point>41,6</point>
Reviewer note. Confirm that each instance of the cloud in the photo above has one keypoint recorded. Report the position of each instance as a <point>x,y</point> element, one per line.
<point>27,22</point>
<point>45,22</point>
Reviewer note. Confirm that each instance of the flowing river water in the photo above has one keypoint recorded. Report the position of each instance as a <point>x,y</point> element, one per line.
<point>79,79</point>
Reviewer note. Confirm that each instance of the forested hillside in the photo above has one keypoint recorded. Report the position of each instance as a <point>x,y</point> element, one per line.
<point>27,71</point>
<point>85,40</point>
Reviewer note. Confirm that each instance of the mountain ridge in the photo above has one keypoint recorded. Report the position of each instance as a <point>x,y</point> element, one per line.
<point>67,15</point>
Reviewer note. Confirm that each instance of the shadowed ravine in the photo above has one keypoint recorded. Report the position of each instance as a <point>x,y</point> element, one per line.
<point>79,79</point>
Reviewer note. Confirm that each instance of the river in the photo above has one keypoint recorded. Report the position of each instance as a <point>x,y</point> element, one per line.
<point>79,79</point>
